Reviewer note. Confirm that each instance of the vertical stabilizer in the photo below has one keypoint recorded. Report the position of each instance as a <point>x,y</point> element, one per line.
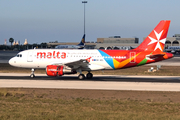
<point>155,41</point>
<point>82,40</point>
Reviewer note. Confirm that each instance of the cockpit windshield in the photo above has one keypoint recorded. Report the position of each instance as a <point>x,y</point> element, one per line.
<point>19,55</point>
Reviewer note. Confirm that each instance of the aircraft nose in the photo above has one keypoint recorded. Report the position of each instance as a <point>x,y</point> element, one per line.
<point>12,61</point>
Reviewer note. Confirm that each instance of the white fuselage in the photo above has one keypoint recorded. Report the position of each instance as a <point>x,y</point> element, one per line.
<point>40,58</point>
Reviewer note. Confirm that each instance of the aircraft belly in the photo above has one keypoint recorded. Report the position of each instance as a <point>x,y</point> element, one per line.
<point>99,65</point>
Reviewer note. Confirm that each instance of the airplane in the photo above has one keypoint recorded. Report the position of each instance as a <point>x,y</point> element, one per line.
<point>79,46</point>
<point>58,62</point>
<point>173,49</point>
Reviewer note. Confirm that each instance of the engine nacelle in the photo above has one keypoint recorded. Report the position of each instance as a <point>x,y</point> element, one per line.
<point>58,70</point>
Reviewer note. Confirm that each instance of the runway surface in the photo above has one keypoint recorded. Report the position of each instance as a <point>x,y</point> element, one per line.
<point>115,82</point>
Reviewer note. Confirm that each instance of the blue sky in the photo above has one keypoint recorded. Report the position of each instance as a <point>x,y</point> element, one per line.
<point>63,20</point>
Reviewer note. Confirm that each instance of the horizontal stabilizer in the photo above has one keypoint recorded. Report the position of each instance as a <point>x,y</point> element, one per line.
<point>154,56</point>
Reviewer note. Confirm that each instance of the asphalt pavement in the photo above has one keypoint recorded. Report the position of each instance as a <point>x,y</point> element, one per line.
<point>99,82</point>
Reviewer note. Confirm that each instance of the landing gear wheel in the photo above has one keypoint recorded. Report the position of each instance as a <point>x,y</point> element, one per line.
<point>89,75</point>
<point>32,75</point>
<point>81,76</point>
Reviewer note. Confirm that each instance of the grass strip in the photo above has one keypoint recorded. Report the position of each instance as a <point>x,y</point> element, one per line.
<point>49,104</point>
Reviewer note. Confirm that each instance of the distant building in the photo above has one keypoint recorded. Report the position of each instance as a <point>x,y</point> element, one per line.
<point>14,43</point>
<point>25,42</point>
<point>5,42</point>
<point>17,43</point>
<point>116,42</point>
<point>173,41</point>
<point>113,42</point>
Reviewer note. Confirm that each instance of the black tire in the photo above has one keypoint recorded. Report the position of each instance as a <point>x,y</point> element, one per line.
<point>81,77</point>
<point>32,75</point>
<point>89,75</point>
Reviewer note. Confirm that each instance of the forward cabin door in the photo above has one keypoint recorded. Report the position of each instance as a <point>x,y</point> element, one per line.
<point>30,57</point>
<point>132,54</point>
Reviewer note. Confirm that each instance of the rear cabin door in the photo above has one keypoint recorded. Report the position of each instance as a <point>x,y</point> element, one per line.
<point>132,54</point>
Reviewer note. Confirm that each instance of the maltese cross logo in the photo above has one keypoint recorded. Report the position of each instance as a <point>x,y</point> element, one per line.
<point>158,41</point>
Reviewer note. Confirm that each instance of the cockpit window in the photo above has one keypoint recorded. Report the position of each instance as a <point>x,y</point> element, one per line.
<point>19,55</point>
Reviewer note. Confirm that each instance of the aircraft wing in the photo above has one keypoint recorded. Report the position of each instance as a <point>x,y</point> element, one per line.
<point>83,63</point>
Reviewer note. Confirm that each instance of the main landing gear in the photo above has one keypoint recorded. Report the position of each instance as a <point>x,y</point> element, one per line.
<point>32,73</point>
<point>81,76</point>
<point>88,76</point>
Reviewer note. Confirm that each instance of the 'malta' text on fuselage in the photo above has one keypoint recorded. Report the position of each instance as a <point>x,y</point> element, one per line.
<point>50,55</point>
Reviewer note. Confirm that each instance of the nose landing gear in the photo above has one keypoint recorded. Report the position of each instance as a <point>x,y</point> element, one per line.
<point>32,73</point>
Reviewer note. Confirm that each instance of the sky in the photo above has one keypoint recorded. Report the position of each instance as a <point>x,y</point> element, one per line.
<point>41,21</point>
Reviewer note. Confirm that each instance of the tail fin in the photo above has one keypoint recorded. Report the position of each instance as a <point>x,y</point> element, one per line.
<point>82,41</point>
<point>157,38</point>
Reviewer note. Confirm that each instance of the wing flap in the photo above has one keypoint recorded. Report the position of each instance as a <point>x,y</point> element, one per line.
<point>83,63</point>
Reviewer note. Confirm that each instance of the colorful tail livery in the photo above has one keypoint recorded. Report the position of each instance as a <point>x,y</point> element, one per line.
<point>157,38</point>
<point>58,62</point>
<point>82,41</point>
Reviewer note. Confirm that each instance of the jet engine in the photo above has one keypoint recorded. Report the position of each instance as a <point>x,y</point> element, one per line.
<point>58,70</point>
